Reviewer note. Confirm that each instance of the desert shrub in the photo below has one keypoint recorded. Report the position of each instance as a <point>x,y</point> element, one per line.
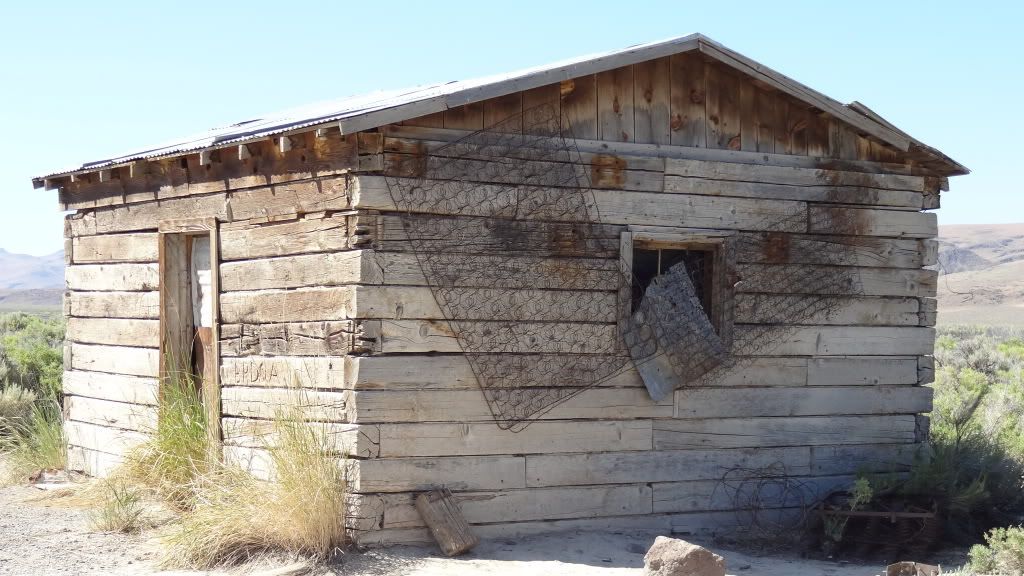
<point>975,469</point>
<point>176,455</point>
<point>300,511</point>
<point>15,407</point>
<point>30,353</point>
<point>36,444</point>
<point>121,508</point>
<point>1002,553</point>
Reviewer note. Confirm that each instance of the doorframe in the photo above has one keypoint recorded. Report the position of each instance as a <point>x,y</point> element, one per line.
<point>171,234</point>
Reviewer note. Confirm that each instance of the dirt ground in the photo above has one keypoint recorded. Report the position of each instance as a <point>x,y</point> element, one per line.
<point>43,535</point>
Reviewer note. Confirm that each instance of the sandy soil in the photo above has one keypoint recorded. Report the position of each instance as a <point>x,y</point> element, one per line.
<point>40,535</point>
<point>43,535</point>
<point>572,554</point>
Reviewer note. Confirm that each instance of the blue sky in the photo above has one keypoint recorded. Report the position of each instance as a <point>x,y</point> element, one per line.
<point>85,80</point>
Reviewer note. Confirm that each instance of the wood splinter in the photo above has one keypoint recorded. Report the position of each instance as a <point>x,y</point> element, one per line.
<point>440,512</point>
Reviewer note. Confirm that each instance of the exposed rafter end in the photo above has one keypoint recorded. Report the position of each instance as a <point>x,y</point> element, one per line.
<point>243,152</point>
<point>205,157</point>
<point>138,169</point>
<point>321,132</point>
<point>104,175</point>
<point>284,144</point>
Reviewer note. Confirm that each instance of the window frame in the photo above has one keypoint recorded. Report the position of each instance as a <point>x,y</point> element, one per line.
<point>721,244</point>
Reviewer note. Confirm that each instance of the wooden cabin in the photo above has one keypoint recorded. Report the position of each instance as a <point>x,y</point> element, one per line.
<point>462,280</point>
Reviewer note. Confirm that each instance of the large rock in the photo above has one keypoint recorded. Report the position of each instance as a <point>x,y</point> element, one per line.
<point>674,557</point>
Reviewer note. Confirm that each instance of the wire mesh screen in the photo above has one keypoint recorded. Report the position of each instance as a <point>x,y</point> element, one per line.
<point>508,234</point>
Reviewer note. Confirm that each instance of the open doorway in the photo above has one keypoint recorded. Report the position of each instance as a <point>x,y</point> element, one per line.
<point>189,350</point>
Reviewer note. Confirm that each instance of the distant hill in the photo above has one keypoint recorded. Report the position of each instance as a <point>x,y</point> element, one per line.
<point>21,271</point>
<point>31,283</point>
<point>981,269</point>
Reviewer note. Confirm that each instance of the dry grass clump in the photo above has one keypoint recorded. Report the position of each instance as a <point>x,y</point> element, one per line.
<point>35,444</point>
<point>121,509</point>
<point>237,517</point>
<point>176,457</point>
<point>15,407</point>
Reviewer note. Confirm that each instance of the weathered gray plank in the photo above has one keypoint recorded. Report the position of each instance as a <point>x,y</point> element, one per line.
<point>245,240</point>
<point>115,387</point>
<point>114,331</point>
<point>115,248</point>
<point>802,401</point>
<point>456,473</point>
<point>113,277</point>
<point>801,431</point>
<point>485,438</point>
<point>657,465</point>
<point>115,359</point>
<point>113,304</point>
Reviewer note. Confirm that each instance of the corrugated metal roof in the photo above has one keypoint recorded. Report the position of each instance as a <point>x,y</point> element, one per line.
<point>371,110</point>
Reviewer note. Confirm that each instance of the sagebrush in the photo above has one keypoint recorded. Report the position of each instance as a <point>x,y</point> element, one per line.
<point>1002,554</point>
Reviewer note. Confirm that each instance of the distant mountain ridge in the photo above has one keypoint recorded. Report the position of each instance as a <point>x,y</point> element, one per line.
<point>25,272</point>
<point>981,269</point>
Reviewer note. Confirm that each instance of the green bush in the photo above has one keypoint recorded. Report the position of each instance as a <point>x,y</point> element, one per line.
<point>975,469</point>
<point>1002,553</point>
<point>30,353</point>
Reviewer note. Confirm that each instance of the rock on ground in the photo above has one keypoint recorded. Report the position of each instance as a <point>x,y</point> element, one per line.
<point>674,557</point>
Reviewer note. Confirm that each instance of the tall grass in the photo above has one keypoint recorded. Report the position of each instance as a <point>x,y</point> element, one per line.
<point>300,511</point>
<point>15,407</point>
<point>31,427</point>
<point>36,444</point>
<point>176,457</point>
<point>121,509</point>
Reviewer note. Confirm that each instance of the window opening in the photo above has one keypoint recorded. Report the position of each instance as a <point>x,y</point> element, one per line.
<point>650,263</point>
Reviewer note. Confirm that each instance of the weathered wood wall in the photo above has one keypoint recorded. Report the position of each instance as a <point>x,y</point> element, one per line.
<point>320,288</point>
<point>682,100</point>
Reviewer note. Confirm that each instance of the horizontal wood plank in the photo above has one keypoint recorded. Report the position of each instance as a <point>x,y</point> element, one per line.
<point>803,401</point>
<point>805,279</point>
<point>142,305</point>
<point>613,206</point>
<point>102,438</point>
<point>245,240</point>
<point>805,309</point>
<point>114,331</point>
<point>287,339</point>
<point>270,403</point>
<point>372,406</point>
<point>657,465</point>
<point>485,438</point>
<point>339,439</point>
<point>892,223</point>
<point>109,414</point>
<point>833,340</point>
<point>529,504</point>
<point>803,431</point>
<point>283,372</point>
<point>456,473</point>
<point>115,387</point>
<point>115,359</point>
<point>115,277</point>
<point>111,248</point>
